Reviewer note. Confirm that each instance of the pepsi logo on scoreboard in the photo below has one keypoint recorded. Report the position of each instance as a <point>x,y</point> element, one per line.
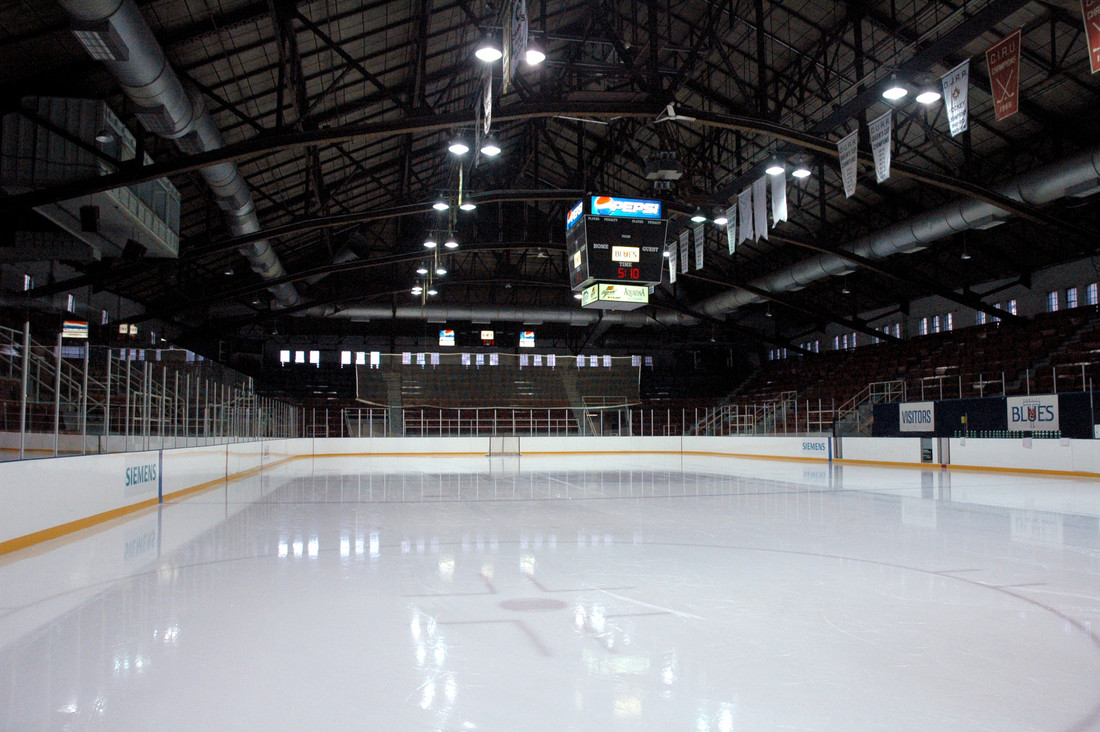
<point>574,215</point>
<point>633,208</point>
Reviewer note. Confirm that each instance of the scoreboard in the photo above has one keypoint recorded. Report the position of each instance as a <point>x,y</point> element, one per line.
<point>620,240</point>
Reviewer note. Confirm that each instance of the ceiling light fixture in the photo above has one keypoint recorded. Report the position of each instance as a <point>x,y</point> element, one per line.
<point>928,96</point>
<point>430,243</point>
<point>467,206</point>
<point>451,243</point>
<point>433,292</point>
<point>698,217</point>
<point>534,55</point>
<point>422,270</point>
<point>441,271</point>
<point>801,170</point>
<point>577,296</point>
<point>720,219</point>
<point>458,146</point>
<point>488,50</point>
<point>895,90</point>
<point>441,205</point>
<point>490,146</point>
<point>774,167</point>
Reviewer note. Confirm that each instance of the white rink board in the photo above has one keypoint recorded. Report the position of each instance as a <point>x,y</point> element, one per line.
<point>799,448</point>
<point>37,495</point>
<point>882,449</point>
<point>1062,455</point>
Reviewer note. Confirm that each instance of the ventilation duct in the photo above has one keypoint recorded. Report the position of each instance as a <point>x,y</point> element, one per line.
<point>114,32</point>
<point>1042,185</point>
<point>444,314</point>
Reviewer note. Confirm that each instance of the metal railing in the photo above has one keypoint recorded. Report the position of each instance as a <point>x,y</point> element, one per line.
<point>79,399</point>
<point>811,417</point>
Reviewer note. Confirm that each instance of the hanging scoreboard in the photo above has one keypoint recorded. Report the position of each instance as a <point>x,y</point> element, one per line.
<point>619,240</point>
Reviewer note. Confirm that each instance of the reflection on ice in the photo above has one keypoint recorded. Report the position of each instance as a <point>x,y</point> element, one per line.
<point>706,594</point>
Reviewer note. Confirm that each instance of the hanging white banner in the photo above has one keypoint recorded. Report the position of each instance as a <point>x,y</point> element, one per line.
<point>760,208</point>
<point>881,130</point>
<point>700,245</point>
<point>731,228</point>
<point>672,264</point>
<point>684,251</point>
<point>487,103</point>
<point>956,85</point>
<point>506,59</point>
<point>848,148</point>
<point>779,198</point>
<point>518,41</point>
<point>744,216</point>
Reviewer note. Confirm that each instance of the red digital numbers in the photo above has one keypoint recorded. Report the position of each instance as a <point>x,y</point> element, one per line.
<point>629,273</point>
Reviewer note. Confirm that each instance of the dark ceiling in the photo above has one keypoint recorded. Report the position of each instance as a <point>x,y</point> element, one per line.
<point>338,114</point>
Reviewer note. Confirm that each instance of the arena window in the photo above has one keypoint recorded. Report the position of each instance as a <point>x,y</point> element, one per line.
<point>1052,301</point>
<point>1091,294</point>
<point>1071,298</point>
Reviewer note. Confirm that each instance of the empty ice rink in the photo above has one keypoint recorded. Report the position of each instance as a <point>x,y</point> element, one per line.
<point>603,592</point>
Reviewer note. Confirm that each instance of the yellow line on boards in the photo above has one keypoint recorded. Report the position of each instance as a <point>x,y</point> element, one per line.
<point>57,532</point>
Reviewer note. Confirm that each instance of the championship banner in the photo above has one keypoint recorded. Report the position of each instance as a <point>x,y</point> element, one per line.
<point>744,222</point>
<point>672,264</point>
<point>700,245</point>
<point>760,208</point>
<point>684,251</point>
<point>1090,13</point>
<point>1003,61</point>
<point>731,228</point>
<point>956,86</point>
<point>881,129</point>
<point>848,148</point>
<point>779,198</point>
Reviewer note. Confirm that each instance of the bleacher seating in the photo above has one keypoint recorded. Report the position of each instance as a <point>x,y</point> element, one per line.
<point>985,360</point>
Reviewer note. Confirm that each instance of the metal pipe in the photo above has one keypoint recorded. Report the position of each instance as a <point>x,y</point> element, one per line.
<point>107,406</point>
<point>57,399</point>
<point>1042,185</point>
<point>84,403</point>
<point>26,375</point>
<point>167,109</point>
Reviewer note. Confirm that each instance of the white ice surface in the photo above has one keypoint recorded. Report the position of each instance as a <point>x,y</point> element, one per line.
<point>611,593</point>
